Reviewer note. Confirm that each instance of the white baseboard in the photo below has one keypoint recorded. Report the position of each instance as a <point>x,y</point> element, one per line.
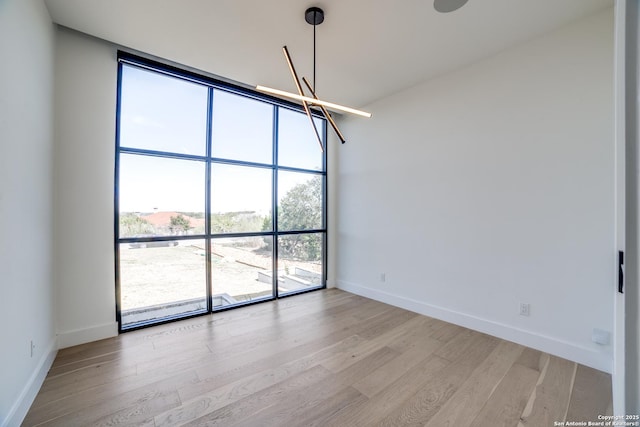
<point>566,350</point>
<point>29,392</point>
<point>82,336</point>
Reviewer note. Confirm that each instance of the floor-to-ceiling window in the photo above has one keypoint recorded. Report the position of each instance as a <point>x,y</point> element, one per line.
<point>220,196</point>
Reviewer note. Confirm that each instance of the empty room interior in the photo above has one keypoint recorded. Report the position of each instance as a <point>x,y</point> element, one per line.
<point>328,213</point>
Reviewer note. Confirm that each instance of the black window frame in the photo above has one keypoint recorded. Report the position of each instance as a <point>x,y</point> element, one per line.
<point>212,83</point>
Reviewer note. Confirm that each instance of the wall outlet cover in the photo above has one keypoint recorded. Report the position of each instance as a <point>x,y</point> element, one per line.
<point>600,336</point>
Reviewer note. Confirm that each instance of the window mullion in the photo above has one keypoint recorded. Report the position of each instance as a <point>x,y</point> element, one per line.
<point>207,202</point>
<point>274,202</point>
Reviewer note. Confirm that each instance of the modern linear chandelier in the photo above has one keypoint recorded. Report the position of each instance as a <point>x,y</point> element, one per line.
<point>314,16</point>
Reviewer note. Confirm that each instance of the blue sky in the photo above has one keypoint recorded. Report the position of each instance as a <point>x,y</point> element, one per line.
<point>169,114</point>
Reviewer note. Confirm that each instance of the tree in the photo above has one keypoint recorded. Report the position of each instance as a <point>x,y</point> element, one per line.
<point>132,225</point>
<point>179,224</point>
<point>222,222</point>
<point>301,209</point>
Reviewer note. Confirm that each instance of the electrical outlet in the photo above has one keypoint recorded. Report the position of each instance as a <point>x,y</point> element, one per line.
<point>383,277</point>
<point>600,336</point>
<point>524,309</point>
<point>33,348</point>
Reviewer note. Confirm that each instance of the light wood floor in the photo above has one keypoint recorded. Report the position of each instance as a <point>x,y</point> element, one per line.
<point>326,358</point>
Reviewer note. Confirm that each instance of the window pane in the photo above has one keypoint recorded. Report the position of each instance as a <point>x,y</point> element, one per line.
<point>241,270</point>
<point>162,113</point>
<point>160,197</point>
<point>240,199</point>
<point>242,128</point>
<point>160,279</point>
<point>299,201</point>
<point>297,143</point>
<point>299,262</point>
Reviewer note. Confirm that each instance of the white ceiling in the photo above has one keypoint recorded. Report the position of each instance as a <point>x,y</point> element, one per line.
<point>367,49</point>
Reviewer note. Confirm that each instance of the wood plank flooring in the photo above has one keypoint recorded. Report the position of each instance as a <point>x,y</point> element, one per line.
<point>327,358</point>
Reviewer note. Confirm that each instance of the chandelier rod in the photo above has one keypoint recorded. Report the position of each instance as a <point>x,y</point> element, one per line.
<point>314,16</point>
<point>315,86</point>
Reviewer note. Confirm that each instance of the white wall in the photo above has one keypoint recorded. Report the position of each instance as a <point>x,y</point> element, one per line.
<point>333,149</point>
<point>86,80</point>
<point>26,151</point>
<point>491,186</point>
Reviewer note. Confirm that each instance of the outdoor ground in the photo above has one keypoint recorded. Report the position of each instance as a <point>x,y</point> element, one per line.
<point>160,275</point>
